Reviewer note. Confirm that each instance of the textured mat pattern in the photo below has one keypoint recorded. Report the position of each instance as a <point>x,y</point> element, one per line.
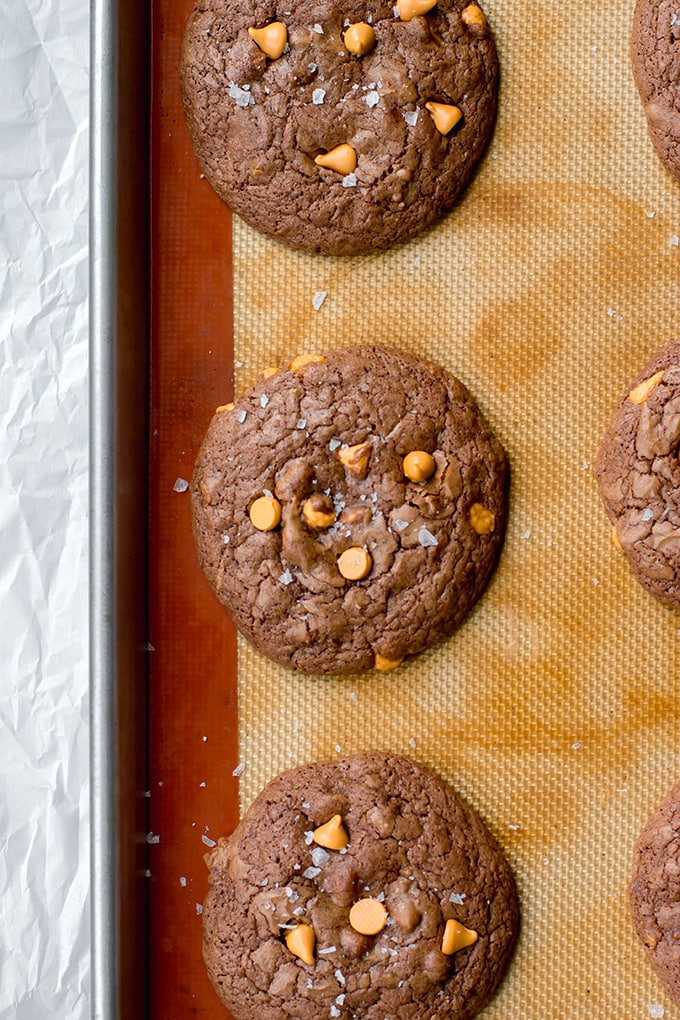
<point>554,709</point>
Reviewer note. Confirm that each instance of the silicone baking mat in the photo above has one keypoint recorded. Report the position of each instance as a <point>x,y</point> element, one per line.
<point>554,708</point>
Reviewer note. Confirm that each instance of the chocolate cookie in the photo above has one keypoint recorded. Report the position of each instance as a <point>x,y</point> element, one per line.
<point>655,53</point>
<point>360,888</point>
<point>638,472</point>
<point>339,128</point>
<point>655,892</point>
<point>348,510</point>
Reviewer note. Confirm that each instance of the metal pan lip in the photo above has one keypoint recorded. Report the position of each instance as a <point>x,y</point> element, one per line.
<point>114,801</point>
<point>102,280</point>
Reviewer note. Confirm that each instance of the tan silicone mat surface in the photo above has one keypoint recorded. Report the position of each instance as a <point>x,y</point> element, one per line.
<point>554,708</point>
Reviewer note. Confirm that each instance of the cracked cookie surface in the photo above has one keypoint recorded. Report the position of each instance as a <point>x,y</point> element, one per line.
<point>655,891</point>
<point>638,473</point>
<point>655,53</point>
<point>258,123</point>
<point>413,847</point>
<point>356,564</point>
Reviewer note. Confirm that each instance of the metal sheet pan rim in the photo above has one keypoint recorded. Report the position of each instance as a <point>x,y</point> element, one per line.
<point>113,844</point>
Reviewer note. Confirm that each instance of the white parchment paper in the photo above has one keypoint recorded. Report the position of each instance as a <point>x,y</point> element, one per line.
<point>44,871</point>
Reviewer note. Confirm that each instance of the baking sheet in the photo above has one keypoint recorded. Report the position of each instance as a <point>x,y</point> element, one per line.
<point>554,708</point>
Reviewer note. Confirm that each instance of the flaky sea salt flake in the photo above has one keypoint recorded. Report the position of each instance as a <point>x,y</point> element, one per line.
<point>208,841</point>
<point>349,181</point>
<point>181,485</point>
<point>411,117</point>
<point>426,538</point>
<point>241,96</point>
<point>320,856</point>
<point>317,301</point>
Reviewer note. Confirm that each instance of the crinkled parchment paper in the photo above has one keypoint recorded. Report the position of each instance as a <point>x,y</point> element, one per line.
<point>554,708</point>
<point>44,856</point>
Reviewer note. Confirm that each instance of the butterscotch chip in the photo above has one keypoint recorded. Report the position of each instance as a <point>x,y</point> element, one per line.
<point>474,17</point>
<point>655,891</point>
<point>457,936</point>
<point>640,392</point>
<point>327,146</point>
<point>224,407</point>
<point>265,513</point>
<point>385,664</point>
<point>295,436</point>
<point>355,563</point>
<point>419,465</point>
<point>444,115</point>
<point>481,519</point>
<point>409,9</point>
<point>332,834</point>
<point>301,941</point>
<point>368,916</point>
<point>355,458</point>
<point>302,360</point>
<point>271,39</point>
<point>360,38</point>
<point>416,849</point>
<point>638,475</point>
<point>318,511</point>
<point>342,159</point>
